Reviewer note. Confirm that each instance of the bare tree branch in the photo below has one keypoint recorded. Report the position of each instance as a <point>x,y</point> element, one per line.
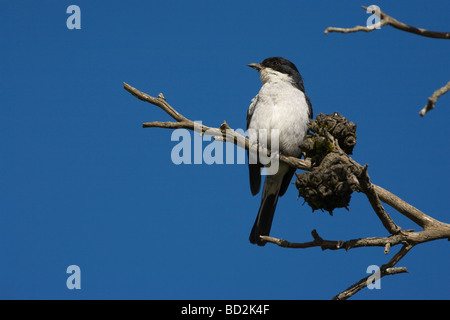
<point>433,99</point>
<point>232,136</point>
<point>388,20</point>
<point>433,229</point>
<point>403,207</point>
<point>369,190</point>
<point>385,270</point>
<point>402,237</point>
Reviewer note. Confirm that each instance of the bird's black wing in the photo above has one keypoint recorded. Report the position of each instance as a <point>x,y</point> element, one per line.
<point>286,181</point>
<point>254,167</point>
<point>310,109</point>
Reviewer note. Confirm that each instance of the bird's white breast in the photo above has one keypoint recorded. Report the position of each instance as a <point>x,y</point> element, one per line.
<point>280,105</point>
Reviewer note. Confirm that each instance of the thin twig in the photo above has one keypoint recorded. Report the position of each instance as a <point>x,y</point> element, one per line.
<point>433,99</point>
<point>388,20</point>
<point>357,28</point>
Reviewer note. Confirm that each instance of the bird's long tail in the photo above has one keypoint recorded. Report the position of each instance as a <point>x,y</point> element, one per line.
<point>269,200</point>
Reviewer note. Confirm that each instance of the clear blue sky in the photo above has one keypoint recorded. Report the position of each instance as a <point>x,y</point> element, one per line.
<point>83,183</point>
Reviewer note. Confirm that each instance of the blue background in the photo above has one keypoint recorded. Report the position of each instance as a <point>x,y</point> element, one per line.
<point>83,183</point>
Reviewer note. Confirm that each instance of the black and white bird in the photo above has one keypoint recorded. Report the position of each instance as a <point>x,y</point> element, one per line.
<point>283,105</point>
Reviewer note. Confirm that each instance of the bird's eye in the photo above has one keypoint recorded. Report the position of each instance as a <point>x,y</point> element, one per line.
<point>276,63</point>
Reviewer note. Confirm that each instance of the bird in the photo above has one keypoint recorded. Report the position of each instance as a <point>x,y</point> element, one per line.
<point>283,105</point>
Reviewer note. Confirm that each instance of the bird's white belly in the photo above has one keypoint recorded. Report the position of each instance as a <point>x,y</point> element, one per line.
<point>286,113</point>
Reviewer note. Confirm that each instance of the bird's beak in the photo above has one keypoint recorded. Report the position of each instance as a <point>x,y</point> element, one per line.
<point>256,66</point>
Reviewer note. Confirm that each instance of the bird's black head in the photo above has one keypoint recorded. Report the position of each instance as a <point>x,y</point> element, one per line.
<point>281,65</point>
